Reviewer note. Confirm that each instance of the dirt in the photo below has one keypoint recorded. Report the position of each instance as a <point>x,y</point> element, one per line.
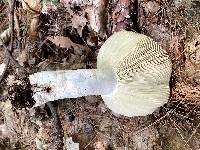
<point>67,34</point>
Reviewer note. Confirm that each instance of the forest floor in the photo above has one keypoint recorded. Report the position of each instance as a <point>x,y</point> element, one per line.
<point>67,34</point>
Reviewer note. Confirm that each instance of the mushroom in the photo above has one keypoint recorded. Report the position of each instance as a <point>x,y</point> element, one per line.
<point>132,76</point>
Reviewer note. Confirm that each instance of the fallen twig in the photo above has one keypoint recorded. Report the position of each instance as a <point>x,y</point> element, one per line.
<point>11,28</point>
<point>57,124</point>
<point>10,50</point>
<point>8,54</point>
<point>11,24</point>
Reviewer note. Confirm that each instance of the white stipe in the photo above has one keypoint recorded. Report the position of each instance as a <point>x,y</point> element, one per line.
<point>54,85</point>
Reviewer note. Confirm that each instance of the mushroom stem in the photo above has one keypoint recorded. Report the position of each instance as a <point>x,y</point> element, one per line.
<point>54,85</point>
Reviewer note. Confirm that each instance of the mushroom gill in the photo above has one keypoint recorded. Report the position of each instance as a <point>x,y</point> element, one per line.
<point>143,72</point>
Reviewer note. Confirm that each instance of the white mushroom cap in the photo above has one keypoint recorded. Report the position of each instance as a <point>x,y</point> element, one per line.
<point>143,71</point>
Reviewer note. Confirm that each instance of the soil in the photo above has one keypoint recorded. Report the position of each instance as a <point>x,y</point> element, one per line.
<point>67,34</point>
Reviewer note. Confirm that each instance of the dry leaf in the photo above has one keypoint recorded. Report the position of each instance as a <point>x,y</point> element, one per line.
<point>151,7</point>
<point>100,145</point>
<point>16,126</point>
<point>61,41</point>
<point>65,42</point>
<point>34,27</point>
<point>79,22</point>
<point>23,57</point>
<point>47,7</point>
<point>96,17</point>
<point>32,5</point>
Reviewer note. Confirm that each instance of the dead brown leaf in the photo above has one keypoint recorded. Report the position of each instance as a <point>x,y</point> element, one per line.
<point>65,42</point>
<point>61,41</point>
<point>34,27</point>
<point>79,22</point>
<point>32,5</point>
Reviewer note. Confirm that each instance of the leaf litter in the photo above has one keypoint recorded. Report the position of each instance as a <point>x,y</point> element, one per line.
<point>67,36</point>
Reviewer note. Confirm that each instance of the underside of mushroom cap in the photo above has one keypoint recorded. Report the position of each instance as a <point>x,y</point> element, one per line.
<point>143,71</point>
